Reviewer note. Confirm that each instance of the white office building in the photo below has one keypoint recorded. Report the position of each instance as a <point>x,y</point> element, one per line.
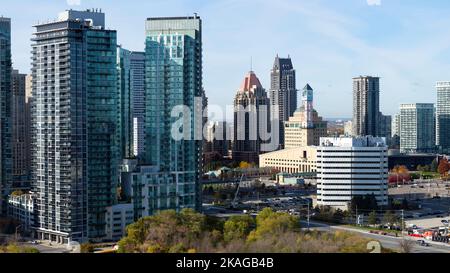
<point>351,166</point>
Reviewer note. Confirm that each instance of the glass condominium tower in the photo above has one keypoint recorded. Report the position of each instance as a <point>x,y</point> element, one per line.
<point>174,78</point>
<point>125,103</point>
<point>5,112</point>
<point>443,117</point>
<point>74,112</point>
<point>137,74</point>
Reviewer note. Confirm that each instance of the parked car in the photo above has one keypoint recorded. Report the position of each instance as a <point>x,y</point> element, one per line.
<point>423,243</point>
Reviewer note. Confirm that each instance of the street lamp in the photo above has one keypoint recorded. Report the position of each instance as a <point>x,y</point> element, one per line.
<point>17,230</point>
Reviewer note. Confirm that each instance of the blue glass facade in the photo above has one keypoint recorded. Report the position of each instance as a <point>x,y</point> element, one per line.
<point>173,78</point>
<point>125,103</point>
<point>5,112</point>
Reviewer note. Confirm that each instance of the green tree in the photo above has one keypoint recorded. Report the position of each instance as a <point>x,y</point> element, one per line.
<point>390,218</point>
<point>434,166</point>
<point>270,223</point>
<point>372,218</point>
<point>238,227</point>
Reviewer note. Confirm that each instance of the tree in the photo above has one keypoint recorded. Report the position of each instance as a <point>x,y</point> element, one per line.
<point>87,248</point>
<point>13,248</point>
<point>17,193</point>
<point>406,246</point>
<point>443,167</point>
<point>372,218</point>
<point>366,202</point>
<point>338,216</point>
<point>434,166</point>
<point>401,172</point>
<point>244,165</point>
<point>238,227</point>
<point>270,223</point>
<point>390,218</point>
<point>164,232</point>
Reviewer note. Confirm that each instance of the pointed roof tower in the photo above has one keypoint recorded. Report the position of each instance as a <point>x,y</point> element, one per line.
<point>249,82</point>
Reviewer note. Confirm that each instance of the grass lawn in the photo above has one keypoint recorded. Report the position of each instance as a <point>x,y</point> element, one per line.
<point>430,174</point>
<point>365,228</point>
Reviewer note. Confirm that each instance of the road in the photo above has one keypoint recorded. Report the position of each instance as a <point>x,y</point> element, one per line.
<point>386,241</point>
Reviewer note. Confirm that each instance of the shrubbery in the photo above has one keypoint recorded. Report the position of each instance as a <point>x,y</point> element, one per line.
<point>270,232</point>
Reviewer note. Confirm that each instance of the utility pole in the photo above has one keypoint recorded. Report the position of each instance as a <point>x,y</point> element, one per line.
<point>19,226</point>
<point>403,221</point>
<point>308,216</point>
<point>357,217</point>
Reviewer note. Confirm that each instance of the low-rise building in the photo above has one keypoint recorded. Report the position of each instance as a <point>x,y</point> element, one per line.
<point>292,161</point>
<point>20,208</point>
<point>118,217</point>
<point>154,191</point>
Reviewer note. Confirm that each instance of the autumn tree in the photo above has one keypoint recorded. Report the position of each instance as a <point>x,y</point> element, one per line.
<point>244,165</point>
<point>443,167</point>
<point>165,232</point>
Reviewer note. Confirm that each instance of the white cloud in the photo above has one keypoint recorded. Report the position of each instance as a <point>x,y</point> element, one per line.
<point>73,2</point>
<point>374,2</point>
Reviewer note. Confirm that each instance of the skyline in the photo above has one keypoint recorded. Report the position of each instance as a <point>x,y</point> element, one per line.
<point>405,45</point>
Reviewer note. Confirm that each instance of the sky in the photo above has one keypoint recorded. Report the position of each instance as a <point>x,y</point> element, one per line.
<point>405,42</point>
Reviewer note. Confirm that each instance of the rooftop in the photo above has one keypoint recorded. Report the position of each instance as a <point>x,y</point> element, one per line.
<point>250,81</point>
<point>363,141</point>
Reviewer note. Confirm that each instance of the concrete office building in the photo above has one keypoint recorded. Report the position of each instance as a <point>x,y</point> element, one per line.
<point>417,128</point>
<point>305,127</point>
<point>5,113</point>
<point>118,217</point>
<point>443,117</point>
<point>173,65</point>
<point>137,74</point>
<point>251,117</point>
<point>283,93</point>
<point>293,161</point>
<point>75,150</point>
<point>347,167</point>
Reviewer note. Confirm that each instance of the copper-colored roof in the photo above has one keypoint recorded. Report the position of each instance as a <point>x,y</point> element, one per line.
<point>250,81</point>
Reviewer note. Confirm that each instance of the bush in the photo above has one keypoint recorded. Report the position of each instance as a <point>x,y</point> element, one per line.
<point>87,248</point>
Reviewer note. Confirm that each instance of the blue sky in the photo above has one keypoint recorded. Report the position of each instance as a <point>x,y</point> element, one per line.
<point>405,42</point>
